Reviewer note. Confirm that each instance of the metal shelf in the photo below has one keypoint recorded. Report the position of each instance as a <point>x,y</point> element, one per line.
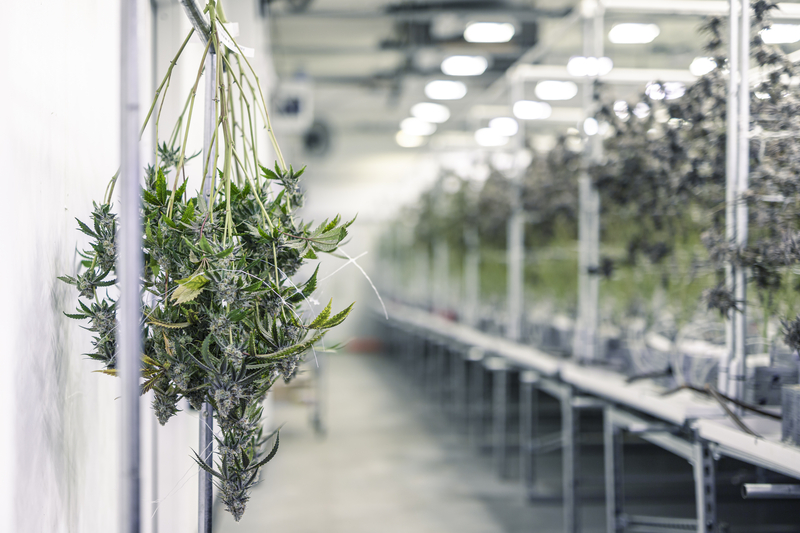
<point>684,423</point>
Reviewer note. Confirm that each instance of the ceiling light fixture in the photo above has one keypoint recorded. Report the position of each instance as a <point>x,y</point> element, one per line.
<point>631,33</point>
<point>489,137</point>
<point>430,112</point>
<point>505,126</point>
<point>531,110</point>
<point>445,90</point>
<point>781,34</point>
<point>590,126</point>
<point>465,65</point>
<point>589,66</point>
<point>409,141</point>
<point>417,127</point>
<point>702,65</point>
<point>489,32</point>
<point>556,90</point>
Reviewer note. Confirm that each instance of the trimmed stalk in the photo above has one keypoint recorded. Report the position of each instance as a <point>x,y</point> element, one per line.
<point>165,81</point>
<point>181,160</point>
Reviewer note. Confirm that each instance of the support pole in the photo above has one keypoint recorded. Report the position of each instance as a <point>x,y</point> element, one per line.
<point>206,423</point>
<point>205,496</point>
<point>516,258</point>
<point>472,276</point>
<point>516,232</point>
<point>585,340</point>
<point>705,487</point>
<point>614,471</point>
<point>528,427</point>
<point>739,370</point>
<point>731,182</point>
<point>129,268</point>
<point>570,431</point>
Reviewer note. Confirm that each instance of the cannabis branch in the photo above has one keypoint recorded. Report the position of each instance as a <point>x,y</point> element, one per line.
<point>221,316</point>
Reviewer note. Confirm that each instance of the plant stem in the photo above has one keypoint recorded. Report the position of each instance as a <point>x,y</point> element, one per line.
<point>186,131</point>
<point>253,138</point>
<point>177,128</point>
<point>158,119</point>
<point>255,192</point>
<point>165,81</point>
<point>268,122</point>
<point>231,110</point>
<point>110,187</point>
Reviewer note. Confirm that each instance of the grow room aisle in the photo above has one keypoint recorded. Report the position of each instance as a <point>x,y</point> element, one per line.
<point>384,466</point>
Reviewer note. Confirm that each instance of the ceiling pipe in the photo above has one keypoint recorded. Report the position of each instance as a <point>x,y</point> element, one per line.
<point>692,7</point>
<point>618,76</point>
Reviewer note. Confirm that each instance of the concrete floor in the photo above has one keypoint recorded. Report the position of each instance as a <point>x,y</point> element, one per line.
<point>388,464</point>
<point>392,463</point>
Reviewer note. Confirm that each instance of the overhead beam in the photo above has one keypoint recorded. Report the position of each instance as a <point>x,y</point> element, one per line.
<point>520,14</point>
<point>691,7</point>
<point>617,76</point>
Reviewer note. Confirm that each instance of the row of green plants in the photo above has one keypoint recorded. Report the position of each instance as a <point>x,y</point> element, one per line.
<point>222,317</point>
<point>662,185</point>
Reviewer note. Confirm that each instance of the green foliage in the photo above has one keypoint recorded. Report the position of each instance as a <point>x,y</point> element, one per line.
<point>222,319</point>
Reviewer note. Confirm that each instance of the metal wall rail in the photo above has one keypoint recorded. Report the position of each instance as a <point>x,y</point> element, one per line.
<point>129,265</point>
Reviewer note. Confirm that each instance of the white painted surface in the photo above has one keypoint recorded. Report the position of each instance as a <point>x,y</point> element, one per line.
<point>58,149</point>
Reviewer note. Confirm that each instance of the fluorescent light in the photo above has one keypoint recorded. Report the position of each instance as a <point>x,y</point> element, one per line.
<point>430,112</point>
<point>669,90</point>
<point>409,141</point>
<point>589,66</point>
<point>781,34</point>
<point>505,126</point>
<point>416,126</point>
<point>590,126</point>
<point>489,137</point>
<point>531,110</point>
<point>489,32</point>
<point>556,90</point>
<point>702,65</point>
<point>445,90</point>
<point>465,65</point>
<point>630,33</point>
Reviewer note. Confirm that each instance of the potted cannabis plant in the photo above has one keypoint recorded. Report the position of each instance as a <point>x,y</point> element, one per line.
<point>222,319</point>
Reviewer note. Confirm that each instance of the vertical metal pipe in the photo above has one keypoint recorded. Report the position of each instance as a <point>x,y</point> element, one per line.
<point>472,276</point>
<point>154,425</point>
<point>129,267</point>
<point>528,427</point>
<point>570,466</point>
<point>705,487</point>
<point>516,231</point>
<point>585,339</point>
<point>731,183</point>
<point>500,377</point>
<point>205,491</point>
<point>739,371</point>
<point>516,258</point>
<point>441,275</point>
<point>206,423</point>
<point>612,447</point>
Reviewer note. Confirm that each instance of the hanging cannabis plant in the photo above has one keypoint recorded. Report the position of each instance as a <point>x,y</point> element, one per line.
<point>666,168</point>
<point>221,317</point>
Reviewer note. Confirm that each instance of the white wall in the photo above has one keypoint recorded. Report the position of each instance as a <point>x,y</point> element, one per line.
<point>58,149</point>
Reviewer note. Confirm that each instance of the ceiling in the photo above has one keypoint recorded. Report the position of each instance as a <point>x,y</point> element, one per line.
<point>369,61</point>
